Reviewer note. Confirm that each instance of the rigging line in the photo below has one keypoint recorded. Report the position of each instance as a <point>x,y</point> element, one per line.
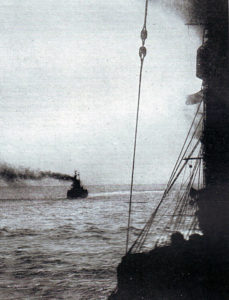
<point>181,153</point>
<point>144,232</point>
<point>182,203</point>
<point>150,221</point>
<point>191,180</point>
<point>180,160</point>
<point>145,229</point>
<point>180,197</point>
<point>193,175</point>
<point>183,166</point>
<point>142,54</point>
<point>133,162</point>
<point>169,185</point>
<point>143,239</point>
<point>147,226</point>
<point>175,167</point>
<point>146,12</point>
<point>179,201</point>
<point>136,242</point>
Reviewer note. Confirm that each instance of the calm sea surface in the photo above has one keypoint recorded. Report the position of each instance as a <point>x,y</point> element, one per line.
<point>54,248</point>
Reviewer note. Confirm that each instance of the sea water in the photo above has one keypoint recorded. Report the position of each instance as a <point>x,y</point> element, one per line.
<point>54,248</point>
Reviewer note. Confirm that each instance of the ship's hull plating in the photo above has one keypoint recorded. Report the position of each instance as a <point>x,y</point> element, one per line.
<point>74,194</point>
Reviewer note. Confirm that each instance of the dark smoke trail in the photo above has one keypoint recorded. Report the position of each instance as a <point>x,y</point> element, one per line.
<point>194,11</point>
<point>11,174</point>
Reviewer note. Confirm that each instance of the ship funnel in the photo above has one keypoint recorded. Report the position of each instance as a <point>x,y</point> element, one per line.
<point>194,98</point>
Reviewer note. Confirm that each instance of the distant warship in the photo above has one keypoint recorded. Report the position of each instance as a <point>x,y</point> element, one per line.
<point>76,191</point>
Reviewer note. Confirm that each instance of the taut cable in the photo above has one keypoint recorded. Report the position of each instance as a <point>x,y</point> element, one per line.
<point>142,54</point>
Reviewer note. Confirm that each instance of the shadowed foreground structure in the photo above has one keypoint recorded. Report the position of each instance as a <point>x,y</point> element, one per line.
<point>193,269</point>
<point>197,268</point>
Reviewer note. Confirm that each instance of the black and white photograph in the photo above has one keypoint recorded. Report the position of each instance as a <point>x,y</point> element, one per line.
<point>114,150</point>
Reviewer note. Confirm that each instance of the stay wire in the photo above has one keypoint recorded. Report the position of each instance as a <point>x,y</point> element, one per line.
<point>134,154</point>
<point>142,54</point>
<point>171,181</point>
<point>181,152</point>
<point>156,210</point>
<point>144,232</point>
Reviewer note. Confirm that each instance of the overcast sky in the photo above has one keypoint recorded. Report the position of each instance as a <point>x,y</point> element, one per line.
<point>68,87</point>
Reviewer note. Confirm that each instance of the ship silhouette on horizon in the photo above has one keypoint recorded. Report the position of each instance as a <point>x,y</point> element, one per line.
<point>77,190</point>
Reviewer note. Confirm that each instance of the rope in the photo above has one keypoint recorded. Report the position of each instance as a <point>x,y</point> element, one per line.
<point>174,180</point>
<point>144,232</point>
<point>181,152</point>
<point>157,208</point>
<point>175,174</point>
<point>182,205</point>
<point>142,54</point>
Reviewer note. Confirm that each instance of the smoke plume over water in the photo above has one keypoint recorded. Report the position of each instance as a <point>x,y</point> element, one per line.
<point>11,174</point>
